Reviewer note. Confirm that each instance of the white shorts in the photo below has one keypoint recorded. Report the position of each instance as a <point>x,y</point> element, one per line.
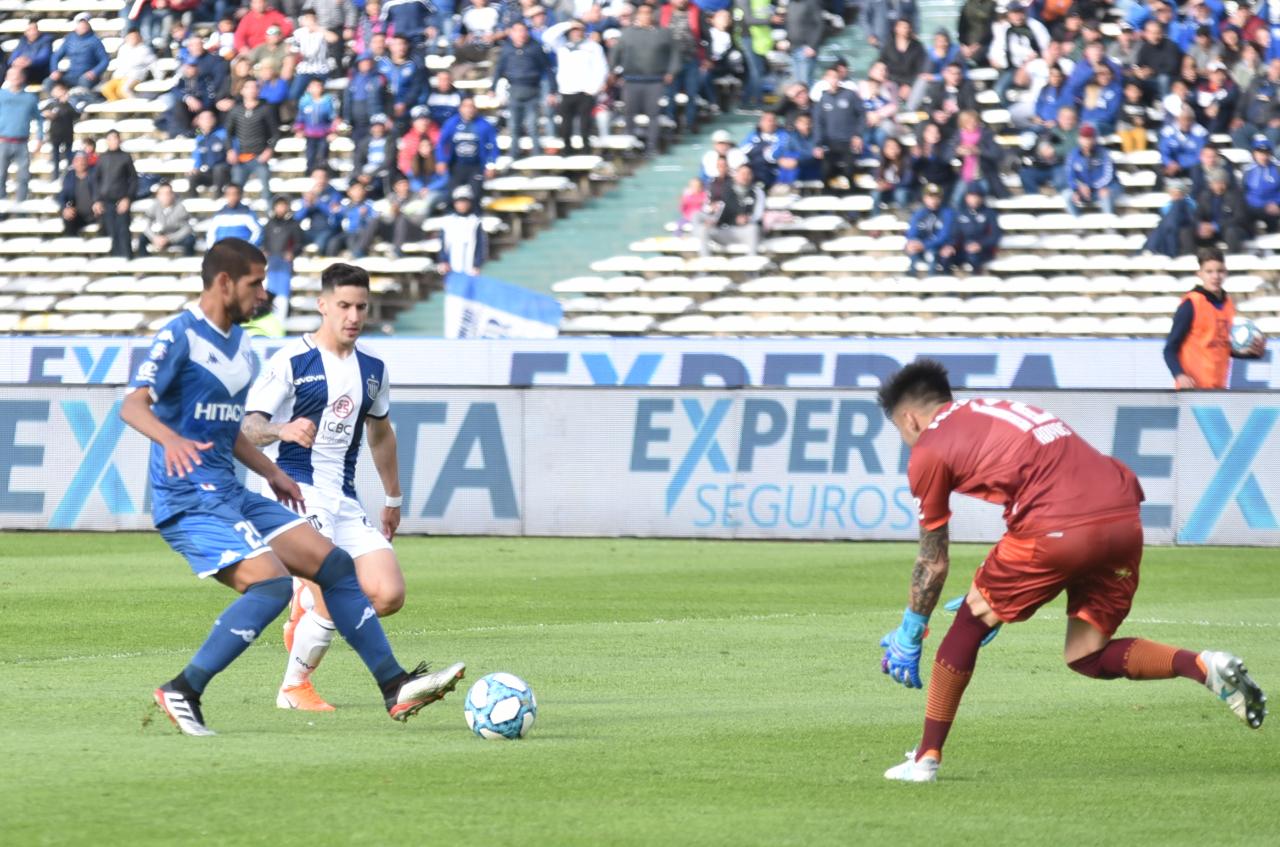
<point>342,520</point>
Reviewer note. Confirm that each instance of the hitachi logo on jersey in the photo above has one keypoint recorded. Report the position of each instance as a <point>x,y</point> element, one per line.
<point>303,380</point>
<point>219,412</point>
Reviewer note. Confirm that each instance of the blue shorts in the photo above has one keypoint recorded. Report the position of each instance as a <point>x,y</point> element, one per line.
<point>223,531</point>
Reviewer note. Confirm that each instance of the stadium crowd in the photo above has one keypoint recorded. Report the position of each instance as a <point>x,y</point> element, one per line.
<point>1075,80</point>
<point>251,73</point>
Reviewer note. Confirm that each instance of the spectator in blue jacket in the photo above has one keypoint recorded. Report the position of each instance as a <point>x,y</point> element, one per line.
<point>209,164</point>
<point>356,217</point>
<point>406,80</point>
<point>1261,183</point>
<point>200,80</point>
<point>317,122</point>
<point>766,149</point>
<point>977,230</point>
<point>839,122</point>
<point>467,149</point>
<point>375,158</point>
<point>79,195</point>
<point>19,111</point>
<point>317,212</point>
<point>84,54</point>
<point>234,220</point>
<point>1086,70</point>
<point>1180,143</point>
<point>366,96</point>
<point>33,53</point>
<point>1175,234</point>
<point>1102,101</point>
<point>409,19</point>
<point>1052,97</point>
<point>1258,108</point>
<point>1091,175</point>
<point>443,98</point>
<point>524,66</point>
<point>931,234</point>
<point>801,142</point>
<point>274,90</point>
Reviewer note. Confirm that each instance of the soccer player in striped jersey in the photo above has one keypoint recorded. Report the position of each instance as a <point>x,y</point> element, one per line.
<point>310,408</point>
<point>188,398</point>
<point>1072,517</point>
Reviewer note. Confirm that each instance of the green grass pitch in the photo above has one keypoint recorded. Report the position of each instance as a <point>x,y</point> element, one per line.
<point>690,692</point>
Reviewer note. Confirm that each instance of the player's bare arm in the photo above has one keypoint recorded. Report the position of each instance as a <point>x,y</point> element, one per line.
<point>286,490</point>
<point>930,573</point>
<point>382,444</point>
<point>181,455</point>
<point>261,431</point>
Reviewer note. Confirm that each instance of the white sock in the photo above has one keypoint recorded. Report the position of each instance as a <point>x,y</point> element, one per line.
<point>305,597</point>
<point>311,640</point>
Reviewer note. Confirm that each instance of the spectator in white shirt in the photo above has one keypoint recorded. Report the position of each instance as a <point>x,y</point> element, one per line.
<point>722,147</point>
<point>581,73</point>
<point>134,62</point>
<point>310,43</point>
<point>463,244</point>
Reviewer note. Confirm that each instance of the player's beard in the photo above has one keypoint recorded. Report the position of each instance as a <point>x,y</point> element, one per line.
<point>239,315</point>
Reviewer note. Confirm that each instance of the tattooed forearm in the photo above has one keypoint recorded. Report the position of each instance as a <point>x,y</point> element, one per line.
<point>930,573</point>
<point>259,430</point>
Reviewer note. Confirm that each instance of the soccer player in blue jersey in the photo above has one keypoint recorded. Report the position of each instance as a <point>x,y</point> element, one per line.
<point>310,408</point>
<point>188,397</point>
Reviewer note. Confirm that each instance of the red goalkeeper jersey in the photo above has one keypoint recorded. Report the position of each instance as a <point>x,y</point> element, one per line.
<point>1046,476</point>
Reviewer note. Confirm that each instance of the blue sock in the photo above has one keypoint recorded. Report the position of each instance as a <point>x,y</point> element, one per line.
<point>354,616</point>
<point>236,628</point>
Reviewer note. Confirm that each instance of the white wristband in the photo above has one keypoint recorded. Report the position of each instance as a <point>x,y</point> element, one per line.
<point>393,502</point>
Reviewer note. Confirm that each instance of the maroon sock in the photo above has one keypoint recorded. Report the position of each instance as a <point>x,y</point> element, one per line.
<point>952,666</point>
<point>1137,658</point>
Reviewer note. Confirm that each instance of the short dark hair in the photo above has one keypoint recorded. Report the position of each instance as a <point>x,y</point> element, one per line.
<point>339,274</point>
<point>234,257</point>
<point>1210,254</point>
<point>922,381</point>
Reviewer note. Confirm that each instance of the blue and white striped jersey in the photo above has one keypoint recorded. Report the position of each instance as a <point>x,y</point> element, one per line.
<point>336,394</point>
<point>198,377</point>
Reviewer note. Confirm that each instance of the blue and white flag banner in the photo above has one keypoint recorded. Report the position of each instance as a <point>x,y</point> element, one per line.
<point>484,307</point>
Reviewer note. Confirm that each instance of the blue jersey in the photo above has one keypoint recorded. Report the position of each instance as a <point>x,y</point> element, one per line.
<point>473,142</point>
<point>336,394</point>
<point>199,377</point>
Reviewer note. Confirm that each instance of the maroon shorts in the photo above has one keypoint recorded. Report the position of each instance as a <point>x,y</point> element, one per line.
<point>1096,564</point>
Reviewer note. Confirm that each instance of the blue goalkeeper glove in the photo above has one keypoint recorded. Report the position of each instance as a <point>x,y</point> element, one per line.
<point>954,606</point>
<point>902,650</point>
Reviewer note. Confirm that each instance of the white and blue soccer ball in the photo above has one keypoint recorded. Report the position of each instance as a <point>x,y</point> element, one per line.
<point>501,706</point>
<point>1244,333</point>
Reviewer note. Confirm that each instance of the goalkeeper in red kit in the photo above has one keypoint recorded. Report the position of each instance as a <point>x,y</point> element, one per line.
<point>1072,521</point>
